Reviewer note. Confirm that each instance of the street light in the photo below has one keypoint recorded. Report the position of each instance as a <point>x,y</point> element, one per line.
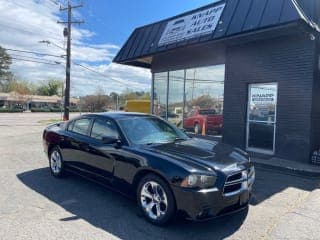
<point>49,42</point>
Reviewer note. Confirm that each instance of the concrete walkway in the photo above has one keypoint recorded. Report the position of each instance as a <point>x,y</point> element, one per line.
<point>300,223</point>
<point>288,166</point>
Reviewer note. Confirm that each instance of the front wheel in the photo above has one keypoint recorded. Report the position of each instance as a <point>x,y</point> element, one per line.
<point>155,200</point>
<point>56,163</point>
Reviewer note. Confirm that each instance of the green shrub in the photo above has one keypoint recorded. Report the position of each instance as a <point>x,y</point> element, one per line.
<point>56,109</point>
<point>5,110</point>
<point>40,110</point>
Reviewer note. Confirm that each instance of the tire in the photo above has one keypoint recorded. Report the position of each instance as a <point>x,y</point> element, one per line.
<point>56,164</point>
<point>155,200</point>
<point>197,128</point>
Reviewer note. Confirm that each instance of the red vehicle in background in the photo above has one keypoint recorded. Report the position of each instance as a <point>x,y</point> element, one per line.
<point>199,118</point>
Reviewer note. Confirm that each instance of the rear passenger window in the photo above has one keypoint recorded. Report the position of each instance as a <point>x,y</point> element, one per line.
<point>104,128</point>
<point>81,126</point>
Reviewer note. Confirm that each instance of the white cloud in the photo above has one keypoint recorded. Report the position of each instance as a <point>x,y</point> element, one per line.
<point>24,23</point>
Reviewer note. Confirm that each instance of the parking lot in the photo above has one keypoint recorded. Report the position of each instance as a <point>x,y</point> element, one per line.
<point>34,205</point>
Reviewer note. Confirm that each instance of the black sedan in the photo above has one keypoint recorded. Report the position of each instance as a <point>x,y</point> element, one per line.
<point>145,157</point>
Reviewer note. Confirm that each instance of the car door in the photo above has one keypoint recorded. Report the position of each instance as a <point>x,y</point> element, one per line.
<point>102,156</point>
<point>76,143</point>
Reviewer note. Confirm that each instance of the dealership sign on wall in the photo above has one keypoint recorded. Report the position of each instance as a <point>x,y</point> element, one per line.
<point>260,96</point>
<point>193,25</point>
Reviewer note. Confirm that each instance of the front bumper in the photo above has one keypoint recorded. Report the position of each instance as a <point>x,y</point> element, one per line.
<point>202,204</point>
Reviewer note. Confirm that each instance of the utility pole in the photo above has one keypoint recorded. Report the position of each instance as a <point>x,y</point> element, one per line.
<point>67,33</point>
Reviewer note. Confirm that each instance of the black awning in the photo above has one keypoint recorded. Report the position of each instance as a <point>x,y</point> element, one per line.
<point>215,21</point>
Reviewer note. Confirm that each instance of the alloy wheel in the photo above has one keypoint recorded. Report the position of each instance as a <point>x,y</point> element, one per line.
<point>55,162</point>
<point>153,200</point>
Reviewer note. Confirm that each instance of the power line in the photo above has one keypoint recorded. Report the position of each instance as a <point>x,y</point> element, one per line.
<point>94,71</point>
<point>54,44</point>
<point>37,53</point>
<point>28,60</point>
<point>19,5</point>
<point>24,56</point>
<point>54,2</point>
<point>26,7</point>
<point>26,31</point>
<point>87,68</point>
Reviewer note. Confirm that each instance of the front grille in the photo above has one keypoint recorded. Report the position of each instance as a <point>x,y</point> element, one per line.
<point>234,182</point>
<point>232,188</point>
<point>234,177</point>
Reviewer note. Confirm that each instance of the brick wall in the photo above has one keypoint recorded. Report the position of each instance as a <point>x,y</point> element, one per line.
<point>289,61</point>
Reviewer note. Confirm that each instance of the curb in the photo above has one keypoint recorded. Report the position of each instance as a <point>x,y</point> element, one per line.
<point>288,170</point>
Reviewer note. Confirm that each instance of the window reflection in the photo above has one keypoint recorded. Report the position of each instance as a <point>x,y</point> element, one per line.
<point>195,99</point>
<point>160,94</point>
<point>262,102</point>
<point>261,116</point>
<point>175,101</point>
<point>204,99</point>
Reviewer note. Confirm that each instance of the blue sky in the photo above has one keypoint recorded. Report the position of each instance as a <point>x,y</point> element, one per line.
<point>114,20</point>
<point>108,24</point>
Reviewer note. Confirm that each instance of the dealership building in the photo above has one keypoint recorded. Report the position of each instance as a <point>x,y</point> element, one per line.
<point>255,62</point>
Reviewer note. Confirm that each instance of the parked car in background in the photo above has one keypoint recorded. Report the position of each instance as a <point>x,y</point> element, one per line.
<point>153,161</point>
<point>172,118</point>
<point>198,117</point>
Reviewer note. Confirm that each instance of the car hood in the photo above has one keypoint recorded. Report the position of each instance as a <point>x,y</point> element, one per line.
<point>204,153</point>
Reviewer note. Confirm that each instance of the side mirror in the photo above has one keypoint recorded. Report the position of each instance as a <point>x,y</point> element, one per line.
<point>111,140</point>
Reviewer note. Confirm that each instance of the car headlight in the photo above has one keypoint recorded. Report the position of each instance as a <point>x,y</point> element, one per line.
<point>198,181</point>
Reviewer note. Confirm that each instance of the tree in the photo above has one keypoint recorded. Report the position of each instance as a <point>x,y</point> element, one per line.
<point>5,75</point>
<point>97,102</point>
<point>204,101</point>
<point>21,87</point>
<point>50,88</point>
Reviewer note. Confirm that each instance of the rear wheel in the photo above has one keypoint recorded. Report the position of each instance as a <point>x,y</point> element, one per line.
<point>155,200</point>
<point>56,163</point>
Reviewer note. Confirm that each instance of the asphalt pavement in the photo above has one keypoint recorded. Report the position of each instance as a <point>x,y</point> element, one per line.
<point>34,205</point>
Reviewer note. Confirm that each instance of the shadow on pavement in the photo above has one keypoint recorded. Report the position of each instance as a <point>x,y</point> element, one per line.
<point>271,182</point>
<point>116,214</point>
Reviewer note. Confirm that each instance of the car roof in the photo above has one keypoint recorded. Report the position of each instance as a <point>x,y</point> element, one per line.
<point>119,115</point>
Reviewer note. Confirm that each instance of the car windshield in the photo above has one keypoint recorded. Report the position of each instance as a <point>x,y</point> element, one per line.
<point>150,130</point>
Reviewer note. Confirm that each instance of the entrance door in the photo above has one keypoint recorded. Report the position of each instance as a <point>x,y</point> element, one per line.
<point>261,118</point>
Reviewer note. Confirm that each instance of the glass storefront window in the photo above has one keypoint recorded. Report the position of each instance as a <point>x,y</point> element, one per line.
<point>160,94</point>
<point>204,92</point>
<point>175,100</point>
<point>195,98</point>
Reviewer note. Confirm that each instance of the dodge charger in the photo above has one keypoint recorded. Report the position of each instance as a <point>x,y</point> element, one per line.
<point>151,160</point>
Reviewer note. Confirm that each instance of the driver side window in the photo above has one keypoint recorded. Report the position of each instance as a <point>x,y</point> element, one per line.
<point>103,128</point>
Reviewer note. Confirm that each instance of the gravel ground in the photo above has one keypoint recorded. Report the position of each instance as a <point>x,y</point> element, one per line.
<point>34,205</point>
